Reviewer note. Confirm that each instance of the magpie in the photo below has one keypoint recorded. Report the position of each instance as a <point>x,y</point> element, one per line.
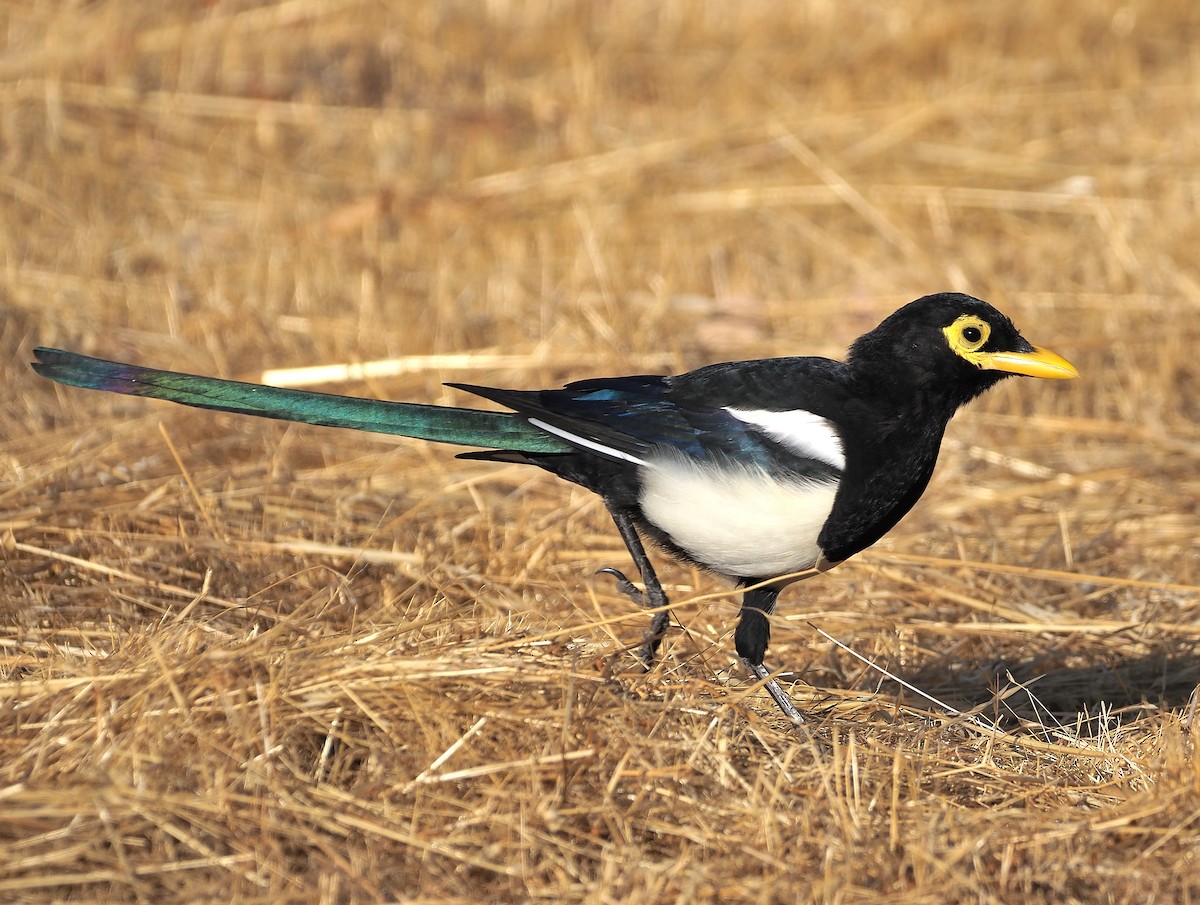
<point>764,471</point>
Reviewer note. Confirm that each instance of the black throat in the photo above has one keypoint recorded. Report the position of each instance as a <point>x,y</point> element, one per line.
<point>892,435</point>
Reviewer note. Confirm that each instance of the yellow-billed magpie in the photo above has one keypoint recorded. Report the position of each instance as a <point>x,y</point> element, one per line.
<point>762,471</point>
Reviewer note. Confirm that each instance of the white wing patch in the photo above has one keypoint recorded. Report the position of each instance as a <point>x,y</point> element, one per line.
<point>802,432</point>
<point>735,519</point>
<point>595,447</point>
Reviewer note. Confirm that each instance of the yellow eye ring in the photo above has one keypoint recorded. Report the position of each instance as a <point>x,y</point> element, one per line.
<point>967,335</point>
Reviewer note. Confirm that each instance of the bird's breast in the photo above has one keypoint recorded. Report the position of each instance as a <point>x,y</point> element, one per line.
<point>738,520</point>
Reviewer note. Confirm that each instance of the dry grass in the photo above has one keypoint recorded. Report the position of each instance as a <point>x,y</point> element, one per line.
<point>244,661</point>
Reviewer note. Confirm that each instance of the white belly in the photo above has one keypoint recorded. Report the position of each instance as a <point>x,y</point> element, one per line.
<point>736,520</point>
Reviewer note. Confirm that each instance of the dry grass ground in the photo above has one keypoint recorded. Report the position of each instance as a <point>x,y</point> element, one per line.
<point>245,661</point>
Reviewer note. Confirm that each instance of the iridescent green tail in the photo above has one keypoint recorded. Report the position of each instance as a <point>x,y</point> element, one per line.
<point>465,427</point>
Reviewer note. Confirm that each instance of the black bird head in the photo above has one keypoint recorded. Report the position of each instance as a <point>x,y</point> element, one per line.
<point>947,348</point>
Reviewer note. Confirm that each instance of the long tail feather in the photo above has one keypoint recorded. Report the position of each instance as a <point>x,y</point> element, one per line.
<point>465,427</point>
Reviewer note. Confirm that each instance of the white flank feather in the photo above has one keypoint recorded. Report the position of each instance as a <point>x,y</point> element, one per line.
<point>802,432</point>
<point>737,520</point>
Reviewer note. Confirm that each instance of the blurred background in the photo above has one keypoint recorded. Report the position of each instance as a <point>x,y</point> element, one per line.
<point>232,652</point>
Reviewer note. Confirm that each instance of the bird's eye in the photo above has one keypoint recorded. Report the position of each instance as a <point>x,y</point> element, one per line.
<point>967,335</point>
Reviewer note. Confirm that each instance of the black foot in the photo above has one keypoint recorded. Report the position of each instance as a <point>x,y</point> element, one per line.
<point>653,635</point>
<point>775,691</point>
<point>625,586</point>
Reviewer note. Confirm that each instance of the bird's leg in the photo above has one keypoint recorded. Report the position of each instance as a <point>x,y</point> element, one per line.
<point>654,598</point>
<point>751,639</point>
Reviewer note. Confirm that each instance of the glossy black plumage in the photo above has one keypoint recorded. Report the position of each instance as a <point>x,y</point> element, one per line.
<point>756,470</point>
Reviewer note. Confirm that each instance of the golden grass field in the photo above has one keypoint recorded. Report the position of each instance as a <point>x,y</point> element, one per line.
<point>253,662</point>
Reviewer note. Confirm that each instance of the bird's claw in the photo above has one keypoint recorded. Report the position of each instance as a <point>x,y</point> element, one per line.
<point>653,635</point>
<point>652,638</point>
<point>624,585</point>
